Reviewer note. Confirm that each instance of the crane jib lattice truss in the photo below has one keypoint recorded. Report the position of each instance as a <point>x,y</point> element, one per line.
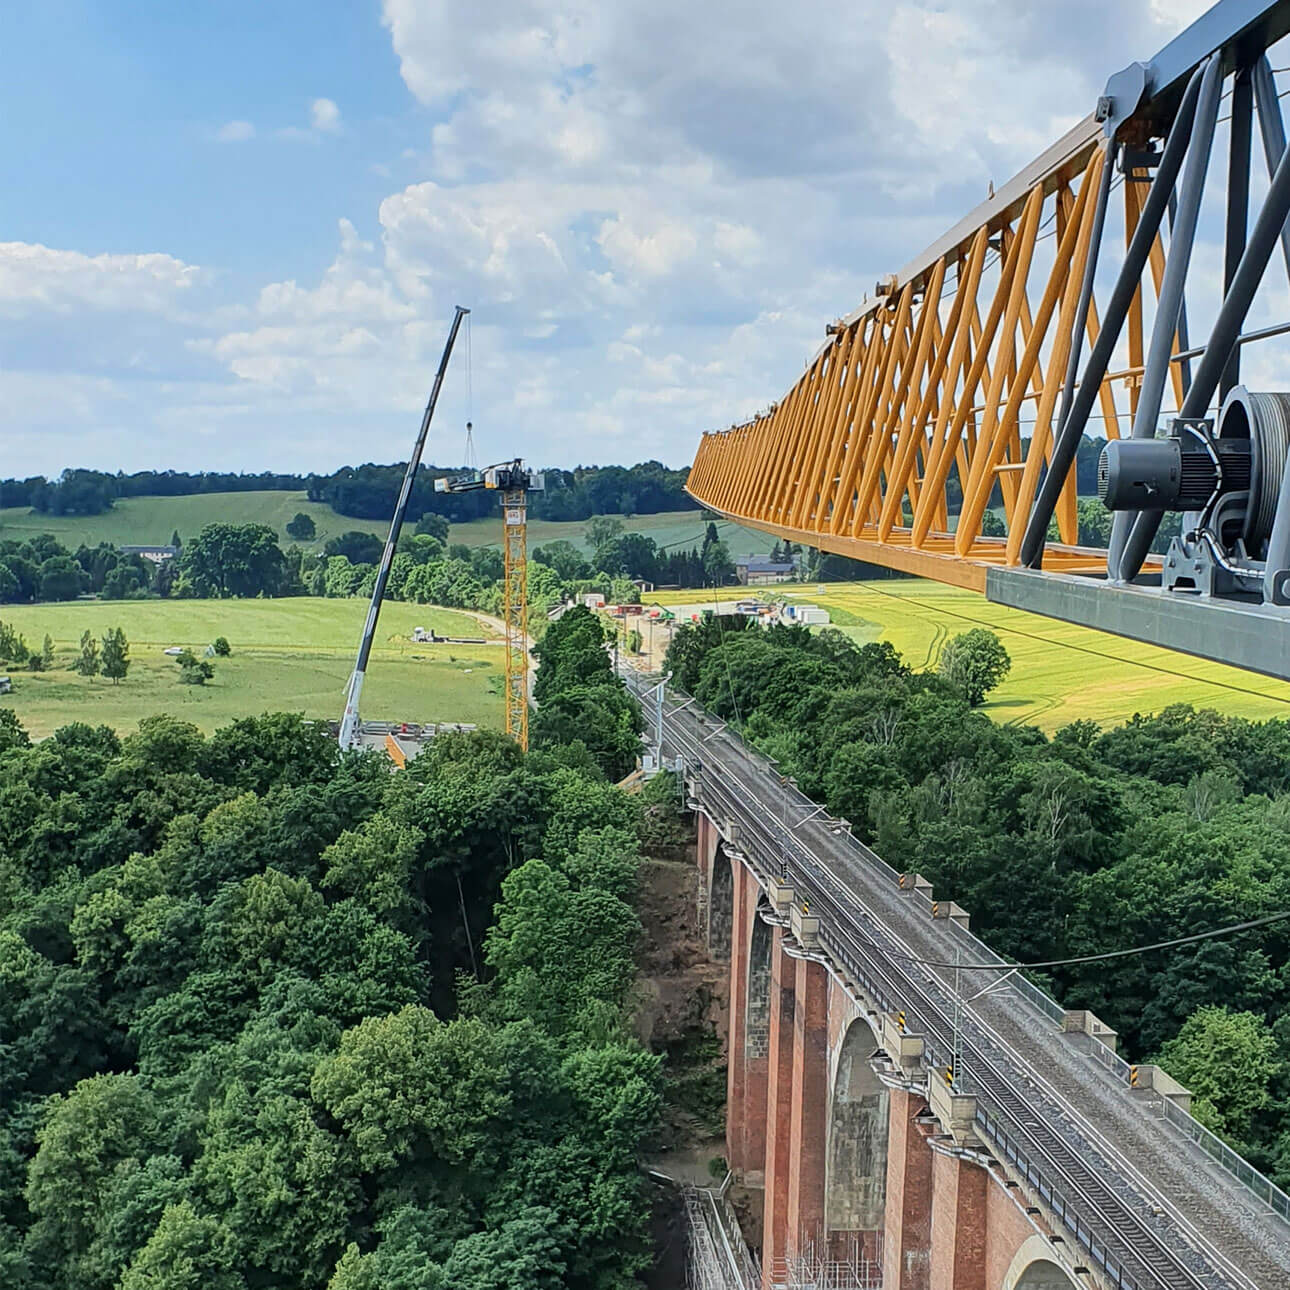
<point>936,431</point>
<point>516,609</point>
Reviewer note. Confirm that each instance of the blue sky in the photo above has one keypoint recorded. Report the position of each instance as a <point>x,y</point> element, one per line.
<point>232,233</point>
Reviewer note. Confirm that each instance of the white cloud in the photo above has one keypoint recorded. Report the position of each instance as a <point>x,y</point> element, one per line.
<point>651,210</point>
<point>324,116</point>
<point>235,132</point>
<point>35,277</point>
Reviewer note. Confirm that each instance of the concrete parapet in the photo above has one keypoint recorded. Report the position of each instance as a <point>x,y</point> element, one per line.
<point>781,897</point>
<point>904,1049</point>
<point>805,927</point>
<point>1164,1085</point>
<point>1081,1021</point>
<point>916,883</point>
<point>954,912</point>
<point>956,1112</point>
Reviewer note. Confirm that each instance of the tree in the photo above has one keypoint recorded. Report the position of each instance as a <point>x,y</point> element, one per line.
<point>1228,1060</point>
<point>87,662</point>
<point>123,581</point>
<point>176,541</point>
<point>187,1251</point>
<point>718,568</point>
<point>221,647</point>
<point>565,558</point>
<point>60,578</point>
<point>47,650</point>
<point>432,525</point>
<point>601,530</point>
<point>9,588</point>
<point>234,560</point>
<point>116,655</point>
<point>357,546</point>
<point>302,528</point>
<point>101,1124</point>
<point>975,662</point>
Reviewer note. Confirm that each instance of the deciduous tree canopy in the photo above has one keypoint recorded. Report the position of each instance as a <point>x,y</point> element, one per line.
<point>277,1018</point>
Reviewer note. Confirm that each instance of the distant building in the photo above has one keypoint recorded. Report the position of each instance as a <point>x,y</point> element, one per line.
<point>157,553</point>
<point>762,571</point>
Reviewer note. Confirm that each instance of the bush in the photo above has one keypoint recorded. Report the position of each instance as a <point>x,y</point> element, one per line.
<point>35,663</point>
<point>302,527</point>
<point>193,670</point>
<point>221,646</point>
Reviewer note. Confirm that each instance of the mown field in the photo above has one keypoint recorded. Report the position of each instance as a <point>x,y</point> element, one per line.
<point>291,655</point>
<point>1060,673</point>
<point>138,520</point>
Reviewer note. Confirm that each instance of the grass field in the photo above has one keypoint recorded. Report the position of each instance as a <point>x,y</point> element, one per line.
<point>139,520</point>
<point>1060,672</point>
<point>288,656</point>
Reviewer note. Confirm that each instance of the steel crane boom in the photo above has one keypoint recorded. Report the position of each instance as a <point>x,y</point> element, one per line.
<point>350,721</point>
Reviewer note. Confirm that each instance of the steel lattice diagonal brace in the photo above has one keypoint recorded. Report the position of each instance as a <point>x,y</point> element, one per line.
<point>944,425</point>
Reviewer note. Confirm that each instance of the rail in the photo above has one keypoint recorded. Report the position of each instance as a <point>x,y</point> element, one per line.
<point>772,834</point>
<point>1072,1188</point>
<point>1259,1185</point>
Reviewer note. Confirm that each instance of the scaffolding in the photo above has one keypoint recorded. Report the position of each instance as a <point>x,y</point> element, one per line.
<point>837,1261</point>
<point>719,1258</point>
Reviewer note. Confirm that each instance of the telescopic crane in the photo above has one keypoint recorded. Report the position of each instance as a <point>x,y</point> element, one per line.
<point>514,482</point>
<point>349,723</point>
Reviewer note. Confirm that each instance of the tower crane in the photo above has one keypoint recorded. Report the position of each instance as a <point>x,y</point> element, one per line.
<point>349,723</point>
<point>514,482</point>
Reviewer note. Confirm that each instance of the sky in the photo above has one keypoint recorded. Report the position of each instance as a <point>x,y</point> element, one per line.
<point>232,232</point>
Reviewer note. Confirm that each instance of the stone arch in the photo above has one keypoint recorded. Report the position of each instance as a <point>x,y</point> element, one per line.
<point>721,905</point>
<point>757,1012</point>
<point>1033,1268</point>
<point>856,1180</point>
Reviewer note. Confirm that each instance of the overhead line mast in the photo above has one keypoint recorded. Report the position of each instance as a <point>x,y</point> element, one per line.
<point>349,724</point>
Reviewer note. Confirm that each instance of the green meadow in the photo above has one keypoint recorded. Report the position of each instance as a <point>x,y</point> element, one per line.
<point>1060,672</point>
<point>138,520</point>
<point>291,655</point>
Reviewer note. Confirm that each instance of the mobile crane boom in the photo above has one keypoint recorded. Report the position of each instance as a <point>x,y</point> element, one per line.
<point>350,721</point>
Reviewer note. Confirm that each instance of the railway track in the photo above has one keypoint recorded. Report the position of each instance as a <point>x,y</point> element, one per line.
<point>1120,1229</point>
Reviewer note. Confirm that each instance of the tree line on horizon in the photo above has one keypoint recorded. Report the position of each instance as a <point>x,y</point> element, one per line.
<point>368,491</point>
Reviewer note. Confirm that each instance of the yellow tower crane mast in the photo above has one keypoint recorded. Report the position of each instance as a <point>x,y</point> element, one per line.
<point>514,481</point>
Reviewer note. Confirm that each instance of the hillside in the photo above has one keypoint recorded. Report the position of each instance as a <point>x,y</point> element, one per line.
<point>137,520</point>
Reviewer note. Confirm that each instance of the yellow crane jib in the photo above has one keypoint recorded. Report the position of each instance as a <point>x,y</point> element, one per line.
<point>1046,404</point>
<point>514,481</point>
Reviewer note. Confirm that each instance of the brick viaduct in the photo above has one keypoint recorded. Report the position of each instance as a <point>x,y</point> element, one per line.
<point>845,1159</point>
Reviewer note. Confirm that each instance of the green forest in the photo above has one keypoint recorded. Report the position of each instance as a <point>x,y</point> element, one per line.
<point>366,492</point>
<point>1091,841</point>
<point>240,560</point>
<point>274,1017</point>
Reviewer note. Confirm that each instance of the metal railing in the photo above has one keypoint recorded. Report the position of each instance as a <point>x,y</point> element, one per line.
<point>1258,1184</point>
<point>1213,1146</point>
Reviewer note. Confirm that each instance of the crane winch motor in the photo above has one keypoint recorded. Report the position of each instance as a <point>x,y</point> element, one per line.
<point>1227,484</point>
